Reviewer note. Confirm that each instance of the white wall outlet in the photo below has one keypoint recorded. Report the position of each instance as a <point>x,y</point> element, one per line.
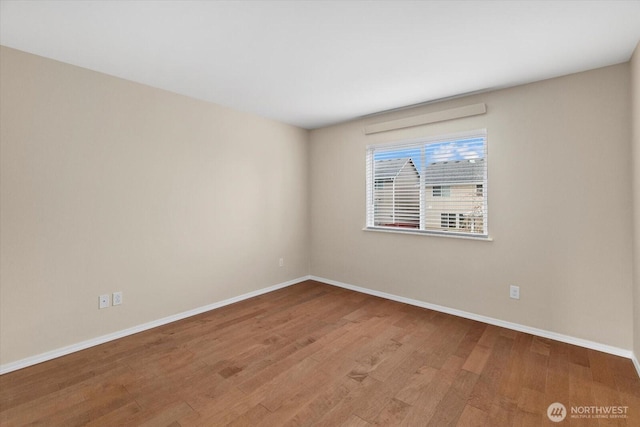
<point>281,263</point>
<point>514,292</point>
<point>103,301</point>
<point>117,298</point>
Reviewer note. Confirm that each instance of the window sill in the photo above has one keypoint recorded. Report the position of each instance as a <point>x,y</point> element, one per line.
<point>449,234</point>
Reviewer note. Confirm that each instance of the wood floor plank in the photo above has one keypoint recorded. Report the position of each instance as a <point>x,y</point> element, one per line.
<point>535,371</point>
<point>472,417</point>
<point>370,407</point>
<point>515,370</point>
<point>450,408</point>
<point>355,421</point>
<point>418,383</point>
<point>324,402</point>
<point>344,409</point>
<point>82,413</point>
<point>532,401</point>
<point>477,359</point>
<point>316,355</point>
<point>393,413</point>
<point>120,417</point>
<point>485,390</point>
<point>470,340</point>
<point>503,412</point>
<point>424,407</point>
<point>287,384</point>
<point>606,396</point>
<point>167,415</point>
<point>632,403</point>
<point>580,381</point>
<point>301,394</point>
<point>219,409</point>
<point>250,418</point>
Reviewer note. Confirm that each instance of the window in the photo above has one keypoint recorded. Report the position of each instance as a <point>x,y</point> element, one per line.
<point>448,220</point>
<point>441,191</point>
<point>431,185</point>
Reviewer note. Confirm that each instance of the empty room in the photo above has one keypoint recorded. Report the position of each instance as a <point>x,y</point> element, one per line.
<point>319,213</point>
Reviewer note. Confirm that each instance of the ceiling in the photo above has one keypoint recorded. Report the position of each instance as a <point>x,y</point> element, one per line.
<point>315,63</point>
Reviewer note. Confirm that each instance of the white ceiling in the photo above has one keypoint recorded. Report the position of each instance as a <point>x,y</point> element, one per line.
<point>314,63</point>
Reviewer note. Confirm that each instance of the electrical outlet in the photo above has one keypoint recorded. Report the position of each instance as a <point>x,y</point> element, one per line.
<point>281,262</point>
<point>117,298</point>
<point>103,301</point>
<point>514,292</point>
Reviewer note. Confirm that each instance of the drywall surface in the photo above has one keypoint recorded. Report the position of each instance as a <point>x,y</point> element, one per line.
<point>108,185</point>
<point>559,180</point>
<point>635,159</point>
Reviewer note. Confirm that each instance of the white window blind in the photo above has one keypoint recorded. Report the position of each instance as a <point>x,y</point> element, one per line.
<point>432,185</point>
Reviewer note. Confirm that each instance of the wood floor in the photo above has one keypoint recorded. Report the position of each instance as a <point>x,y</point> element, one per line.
<point>314,354</point>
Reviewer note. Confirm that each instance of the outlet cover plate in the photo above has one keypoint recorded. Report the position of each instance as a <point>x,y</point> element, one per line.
<point>514,292</point>
<point>103,301</point>
<point>117,298</point>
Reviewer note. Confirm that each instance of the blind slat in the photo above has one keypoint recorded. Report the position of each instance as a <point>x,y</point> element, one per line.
<point>434,184</point>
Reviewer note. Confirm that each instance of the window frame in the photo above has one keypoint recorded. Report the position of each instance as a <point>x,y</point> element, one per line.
<point>449,220</point>
<point>441,191</point>
<point>457,231</point>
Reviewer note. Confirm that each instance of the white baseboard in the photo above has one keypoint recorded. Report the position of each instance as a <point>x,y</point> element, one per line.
<point>492,321</point>
<point>33,360</point>
<point>636,363</point>
<point>29,361</point>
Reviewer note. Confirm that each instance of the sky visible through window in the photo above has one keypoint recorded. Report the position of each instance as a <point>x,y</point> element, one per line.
<point>448,151</point>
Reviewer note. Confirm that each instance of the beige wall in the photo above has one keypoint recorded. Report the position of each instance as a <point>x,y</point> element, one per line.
<point>107,185</point>
<point>559,211</point>
<point>635,125</point>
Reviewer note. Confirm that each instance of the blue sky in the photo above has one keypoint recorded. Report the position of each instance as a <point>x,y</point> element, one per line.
<point>462,149</point>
